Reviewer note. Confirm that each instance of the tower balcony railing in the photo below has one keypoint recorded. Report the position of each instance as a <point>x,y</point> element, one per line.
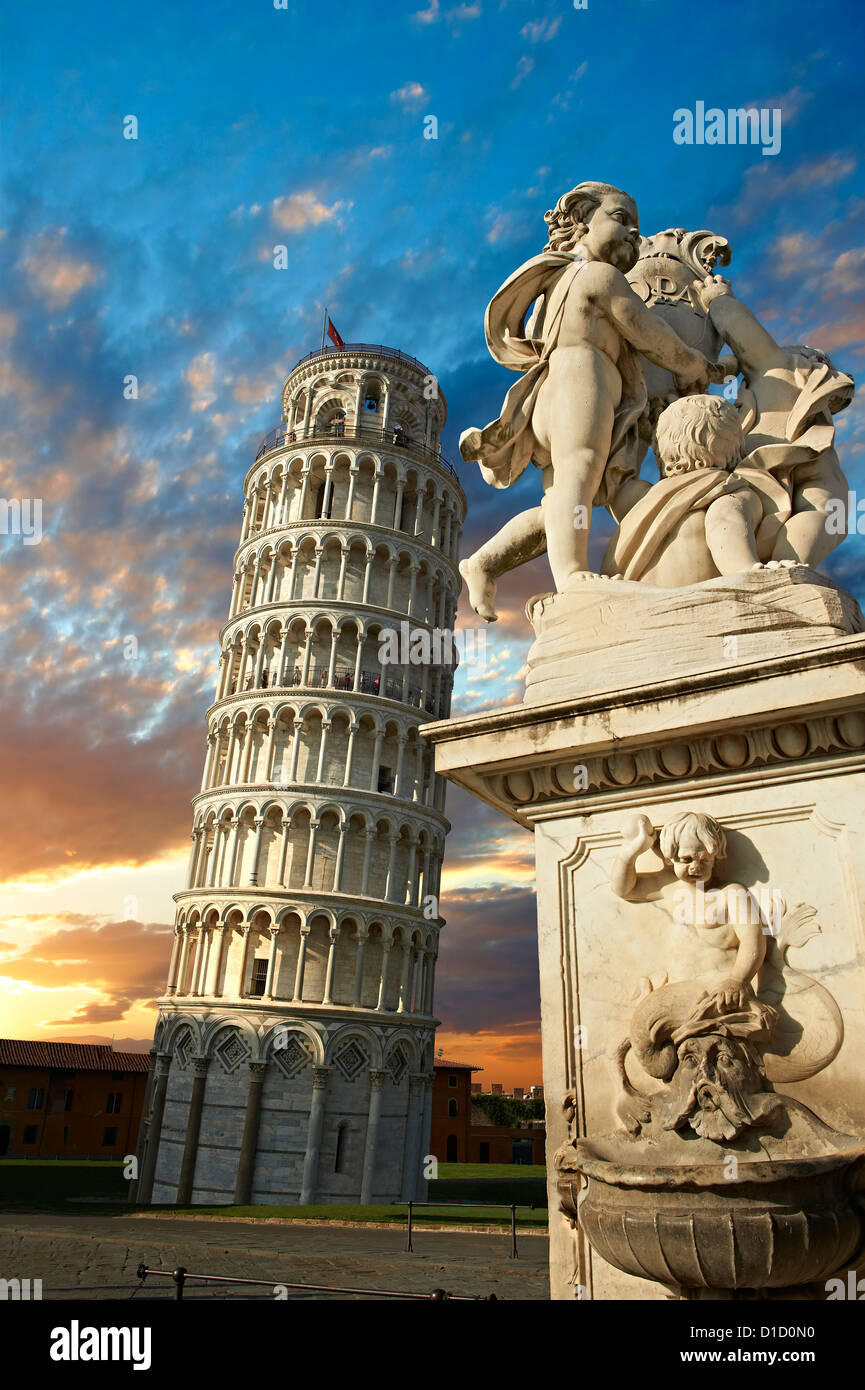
<point>369,683</point>
<point>364,434</point>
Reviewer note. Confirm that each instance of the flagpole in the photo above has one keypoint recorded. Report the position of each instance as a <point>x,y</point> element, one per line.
<point>323,327</point>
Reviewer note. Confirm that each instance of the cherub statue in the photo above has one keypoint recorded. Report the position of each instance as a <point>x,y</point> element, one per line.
<point>726,919</point>
<point>701,519</point>
<point>787,402</point>
<point>574,412</point>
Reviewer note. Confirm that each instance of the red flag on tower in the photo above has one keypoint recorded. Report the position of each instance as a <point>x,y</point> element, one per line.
<point>333,335</point>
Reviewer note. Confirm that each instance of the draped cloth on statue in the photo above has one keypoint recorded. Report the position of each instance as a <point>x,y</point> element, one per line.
<point>508,443</point>
<point>650,523</point>
<point>774,470</point>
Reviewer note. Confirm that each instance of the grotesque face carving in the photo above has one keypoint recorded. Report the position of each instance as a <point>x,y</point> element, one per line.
<point>718,1088</point>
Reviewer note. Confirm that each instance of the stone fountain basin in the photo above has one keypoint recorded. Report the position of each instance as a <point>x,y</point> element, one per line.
<point>776,1224</point>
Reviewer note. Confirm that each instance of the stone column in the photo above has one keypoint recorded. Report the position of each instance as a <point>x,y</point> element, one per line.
<point>367,575</point>
<point>404,975</point>
<point>349,755</point>
<point>147,1168</point>
<point>241,969</point>
<point>258,822</point>
<point>313,1137</point>
<point>411,1169</point>
<point>376,488</point>
<point>310,853</point>
<point>216,982</point>
<point>370,837</point>
<point>322,750</point>
<point>340,857</point>
<point>176,951</point>
<point>292,574</point>
<point>382,984</point>
<point>301,966</point>
<point>353,472</point>
<point>249,1142</point>
<point>361,937</point>
<point>393,841</point>
<point>331,957</point>
<point>193,1130</point>
<point>376,759</point>
<point>271,962</point>
<point>184,960</point>
<point>376,1085</point>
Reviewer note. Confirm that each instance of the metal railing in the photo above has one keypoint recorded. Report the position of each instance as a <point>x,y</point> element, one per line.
<point>378,349</point>
<point>181,1275</point>
<point>371,434</point>
<point>512,1207</point>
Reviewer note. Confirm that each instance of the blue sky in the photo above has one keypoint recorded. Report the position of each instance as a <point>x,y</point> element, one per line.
<point>304,127</point>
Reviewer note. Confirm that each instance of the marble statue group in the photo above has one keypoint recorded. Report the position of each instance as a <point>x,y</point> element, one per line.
<point>617,338</point>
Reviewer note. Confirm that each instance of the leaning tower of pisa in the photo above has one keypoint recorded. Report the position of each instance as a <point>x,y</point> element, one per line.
<point>293,1055</point>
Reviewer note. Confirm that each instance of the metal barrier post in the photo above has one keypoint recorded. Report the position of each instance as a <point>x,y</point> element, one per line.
<point>408,1244</point>
<point>179,1277</point>
<point>514,1255</point>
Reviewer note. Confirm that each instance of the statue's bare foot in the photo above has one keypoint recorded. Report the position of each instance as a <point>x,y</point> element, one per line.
<point>575,580</point>
<point>778,565</point>
<point>470,445</point>
<point>481,586</point>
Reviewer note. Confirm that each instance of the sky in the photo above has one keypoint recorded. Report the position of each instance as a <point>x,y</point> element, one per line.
<point>263,125</point>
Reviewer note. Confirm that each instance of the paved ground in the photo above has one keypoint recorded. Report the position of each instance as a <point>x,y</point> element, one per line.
<point>94,1257</point>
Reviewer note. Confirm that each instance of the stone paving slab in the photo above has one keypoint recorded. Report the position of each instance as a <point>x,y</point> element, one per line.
<point>96,1257</point>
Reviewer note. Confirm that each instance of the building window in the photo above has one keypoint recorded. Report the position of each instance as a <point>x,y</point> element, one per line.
<point>36,1099</point>
<point>339,1157</point>
<point>452,1080</point>
<point>29,1134</point>
<point>452,1149</point>
<point>385,779</point>
<point>68,1099</point>
<point>109,1137</point>
<point>453,1108</point>
<point>371,404</point>
<point>259,977</point>
<point>521,1151</point>
<point>114,1100</point>
<point>320,513</point>
<point>484,1155</point>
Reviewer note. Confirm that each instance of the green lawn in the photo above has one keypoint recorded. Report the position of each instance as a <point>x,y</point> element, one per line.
<point>386,1215</point>
<point>90,1185</point>
<point>46,1183</point>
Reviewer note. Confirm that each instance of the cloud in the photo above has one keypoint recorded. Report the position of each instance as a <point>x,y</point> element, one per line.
<point>296,211</point>
<point>123,962</point>
<point>524,67</point>
<point>55,273</point>
<point>412,94</point>
<point>541,30</point>
<point>199,377</point>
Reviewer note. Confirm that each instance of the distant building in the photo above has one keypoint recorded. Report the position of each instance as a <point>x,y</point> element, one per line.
<point>461,1132</point>
<point>518,1093</point>
<point>69,1100</point>
<point>451,1111</point>
<point>536,1092</point>
<point>497,1089</point>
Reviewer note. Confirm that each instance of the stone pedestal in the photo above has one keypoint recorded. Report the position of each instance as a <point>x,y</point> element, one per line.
<point>769,741</point>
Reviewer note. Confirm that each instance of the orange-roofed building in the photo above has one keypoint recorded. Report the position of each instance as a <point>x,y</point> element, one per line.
<point>69,1100</point>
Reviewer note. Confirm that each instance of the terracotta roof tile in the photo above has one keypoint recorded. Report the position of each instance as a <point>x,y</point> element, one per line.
<point>20,1052</point>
